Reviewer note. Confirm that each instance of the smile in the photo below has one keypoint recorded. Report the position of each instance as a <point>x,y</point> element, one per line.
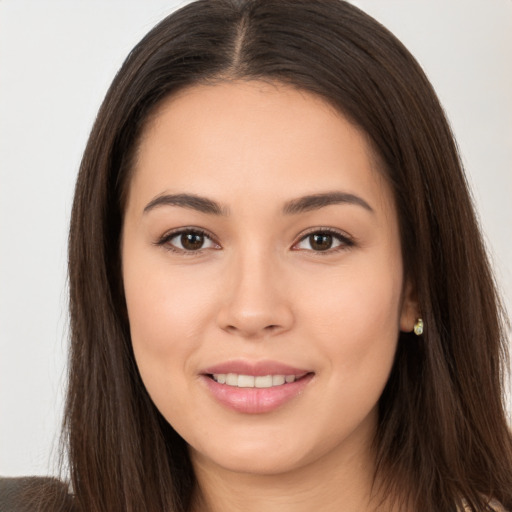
<point>255,387</point>
<point>252,381</point>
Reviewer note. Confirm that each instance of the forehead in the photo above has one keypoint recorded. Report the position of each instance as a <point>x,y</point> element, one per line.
<point>252,138</point>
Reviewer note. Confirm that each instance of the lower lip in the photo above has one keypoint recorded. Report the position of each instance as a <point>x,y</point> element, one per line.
<point>256,400</point>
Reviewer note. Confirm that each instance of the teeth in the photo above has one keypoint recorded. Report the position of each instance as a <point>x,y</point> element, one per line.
<point>232,379</point>
<point>263,381</point>
<point>246,381</point>
<point>279,380</point>
<point>250,381</point>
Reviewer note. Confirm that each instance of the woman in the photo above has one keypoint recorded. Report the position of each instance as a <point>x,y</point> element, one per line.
<point>269,306</point>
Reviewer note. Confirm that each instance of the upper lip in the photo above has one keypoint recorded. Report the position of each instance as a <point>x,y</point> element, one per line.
<point>256,368</point>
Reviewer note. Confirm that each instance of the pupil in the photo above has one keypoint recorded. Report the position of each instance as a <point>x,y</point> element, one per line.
<point>192,241</point>
<point>321,241</point>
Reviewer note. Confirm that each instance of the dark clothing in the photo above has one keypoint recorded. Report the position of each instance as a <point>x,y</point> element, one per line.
<point>34,494</point>
<point>39,494</point>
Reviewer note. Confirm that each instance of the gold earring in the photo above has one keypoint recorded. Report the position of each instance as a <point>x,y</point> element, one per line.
<point>418,327</point>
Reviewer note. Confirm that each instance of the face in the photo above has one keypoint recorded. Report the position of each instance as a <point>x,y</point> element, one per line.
<point>263,276</point>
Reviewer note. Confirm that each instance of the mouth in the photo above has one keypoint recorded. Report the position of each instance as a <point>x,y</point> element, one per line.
<point>255,381</point>
<point>255,388</point>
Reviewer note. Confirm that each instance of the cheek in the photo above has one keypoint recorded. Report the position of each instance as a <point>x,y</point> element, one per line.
<point>353,300</point>
<point>354,319</point>
<point>168,317</point>
<point>165,306</point>
<point>355,329</point>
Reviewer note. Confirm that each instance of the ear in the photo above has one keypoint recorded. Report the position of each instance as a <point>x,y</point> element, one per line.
<point>410,311</point>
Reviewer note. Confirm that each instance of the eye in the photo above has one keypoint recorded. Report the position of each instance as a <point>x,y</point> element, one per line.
<point>188,240</point>
<point>324,240</point>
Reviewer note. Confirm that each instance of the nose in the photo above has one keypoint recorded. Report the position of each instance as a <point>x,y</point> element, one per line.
<point>256,303</point>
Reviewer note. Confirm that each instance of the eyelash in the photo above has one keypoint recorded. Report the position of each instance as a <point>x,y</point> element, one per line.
<point>346,242</point>
<point>164,241</point>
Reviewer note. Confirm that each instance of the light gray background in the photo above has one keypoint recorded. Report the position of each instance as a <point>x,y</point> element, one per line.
<point>57,59</point>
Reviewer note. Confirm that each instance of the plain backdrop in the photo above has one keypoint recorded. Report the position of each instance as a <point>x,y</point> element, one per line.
<point>57,59</point>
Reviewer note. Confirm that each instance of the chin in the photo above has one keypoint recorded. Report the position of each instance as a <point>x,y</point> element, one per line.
<point>271,454</point>
<point>263,464</point>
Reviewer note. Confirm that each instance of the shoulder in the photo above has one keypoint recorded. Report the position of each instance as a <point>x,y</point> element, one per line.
<point>494,506</point>
<point>497,507</point>
<point>34,494</point>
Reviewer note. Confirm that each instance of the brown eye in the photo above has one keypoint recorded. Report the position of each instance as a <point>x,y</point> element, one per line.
<point>192,241</point>
<point>188,241</point>
<point>320,241</point>
<point>324,241</point>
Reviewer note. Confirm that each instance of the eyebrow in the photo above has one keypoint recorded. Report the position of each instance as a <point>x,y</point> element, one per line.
<point>192,201</point>
<point>317,201</point>
<point>293,207</point>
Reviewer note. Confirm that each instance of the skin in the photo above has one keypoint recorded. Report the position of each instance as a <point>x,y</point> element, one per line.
<point>259,290</point>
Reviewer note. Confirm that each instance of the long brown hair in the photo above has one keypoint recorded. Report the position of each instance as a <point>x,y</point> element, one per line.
<point>442,434</point>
